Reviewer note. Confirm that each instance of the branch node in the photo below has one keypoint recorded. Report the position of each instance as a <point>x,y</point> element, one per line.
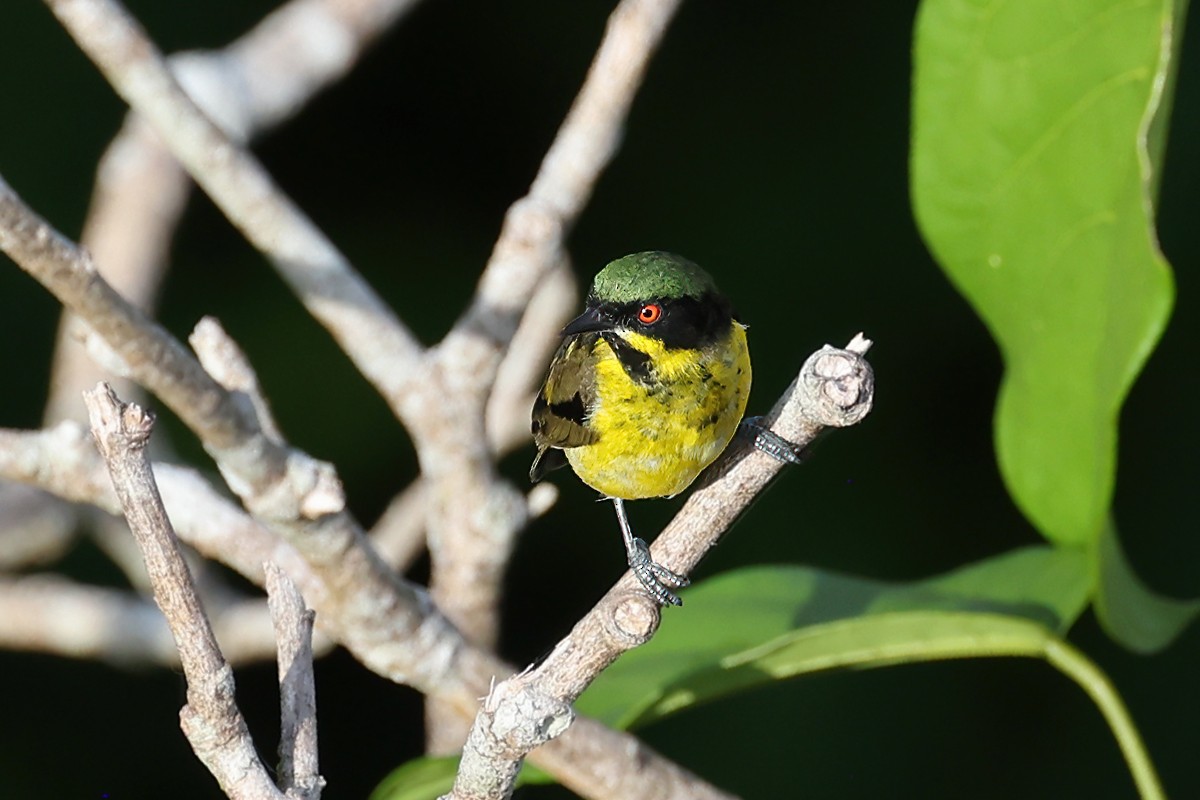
<point>633,619</point>
<point>309,489</point>
<point>531,223</point>
<point>325,496</point>
<point>838,386</point>
<point>128,425</point>
<point>524,717</point>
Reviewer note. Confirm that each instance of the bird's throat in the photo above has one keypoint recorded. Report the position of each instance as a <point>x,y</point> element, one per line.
<point>636,363</point>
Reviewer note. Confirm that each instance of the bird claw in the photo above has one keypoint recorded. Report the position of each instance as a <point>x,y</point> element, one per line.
<point>771,443</point>
<point>654,576</point>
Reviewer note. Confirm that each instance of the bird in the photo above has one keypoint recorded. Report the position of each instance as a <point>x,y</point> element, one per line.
<point>646,389</point>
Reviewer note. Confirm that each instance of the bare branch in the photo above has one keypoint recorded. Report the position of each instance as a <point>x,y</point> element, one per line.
<point>298,774</point>
<point>370,609</point>
<point>224,360</point>
<point>365,328</point>
<point>835,388</point>
<point>399,533</point>
<point>50,614</point>
<point>35,527</point>
<point>524,365</point>
<point>150,355</point>
<point>210,719</point>
<point>255,83</point>
<point>329,287</point>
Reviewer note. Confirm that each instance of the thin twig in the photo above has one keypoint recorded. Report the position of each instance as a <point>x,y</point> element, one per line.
<point>46,613</point>
<point>50,614</point>
<point>399,533</point>
<point>223,359</point>
<point>524,364</point>
<point>298,774</point>
<point>35,527</point>
<point>210,719</point>
<point>138,197</point>
<point>834,389</point>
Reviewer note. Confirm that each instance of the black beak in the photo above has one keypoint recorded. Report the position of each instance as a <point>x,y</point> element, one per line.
<point>587,322</point>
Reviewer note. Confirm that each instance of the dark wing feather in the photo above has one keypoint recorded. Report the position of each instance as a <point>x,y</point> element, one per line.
<point>545,461</point>
<point>562,407</point>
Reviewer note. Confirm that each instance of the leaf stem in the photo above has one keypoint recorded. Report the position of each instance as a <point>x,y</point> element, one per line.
<point>1078,667</point>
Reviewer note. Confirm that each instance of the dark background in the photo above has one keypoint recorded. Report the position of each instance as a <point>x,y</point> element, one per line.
<point>769,144</point>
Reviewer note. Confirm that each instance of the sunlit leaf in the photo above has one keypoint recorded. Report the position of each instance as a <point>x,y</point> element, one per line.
<point>1033,181</point>
<point>740,611</point>
<point>419,779</point>
<point>875,640</point>
<point>904,637</point>
<point>430,778</point>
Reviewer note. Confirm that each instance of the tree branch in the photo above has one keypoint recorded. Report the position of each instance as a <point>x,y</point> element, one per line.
<point>298,774</point>
<point>50,614</point>
<point>35,527</point>
<point>255,83</point>
<point>210,719</point>
<point>46,613</point>
<point>333,292</point>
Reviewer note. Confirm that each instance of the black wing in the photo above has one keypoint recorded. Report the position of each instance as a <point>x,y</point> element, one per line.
<point>562,407</point>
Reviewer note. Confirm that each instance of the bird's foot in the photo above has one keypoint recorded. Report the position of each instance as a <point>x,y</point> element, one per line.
<point>770,442</point>
<point>654,576</point>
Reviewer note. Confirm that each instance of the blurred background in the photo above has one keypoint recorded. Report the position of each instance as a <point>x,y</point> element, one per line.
<point>770,145</point>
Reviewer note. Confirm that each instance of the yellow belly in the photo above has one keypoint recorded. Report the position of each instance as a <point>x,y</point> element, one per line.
<point>654,441</point>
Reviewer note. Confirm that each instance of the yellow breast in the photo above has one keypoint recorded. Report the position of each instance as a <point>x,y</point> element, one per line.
<point>655,438</point>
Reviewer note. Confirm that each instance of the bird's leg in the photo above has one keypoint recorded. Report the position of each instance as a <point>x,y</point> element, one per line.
<point>770,442</point>
<point>654,576</point>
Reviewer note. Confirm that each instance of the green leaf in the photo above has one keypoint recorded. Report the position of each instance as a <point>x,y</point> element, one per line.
<point>710,653</point>
<point>873,641</point>
<point>1130,612</point>
<point>430,778</point>
<point>908,637</point>
<point>1033,180</point>
<point>419,779</point>
<point>741,611</point>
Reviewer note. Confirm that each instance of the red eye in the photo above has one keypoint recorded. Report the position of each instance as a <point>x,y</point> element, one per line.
<point>650,314</point>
